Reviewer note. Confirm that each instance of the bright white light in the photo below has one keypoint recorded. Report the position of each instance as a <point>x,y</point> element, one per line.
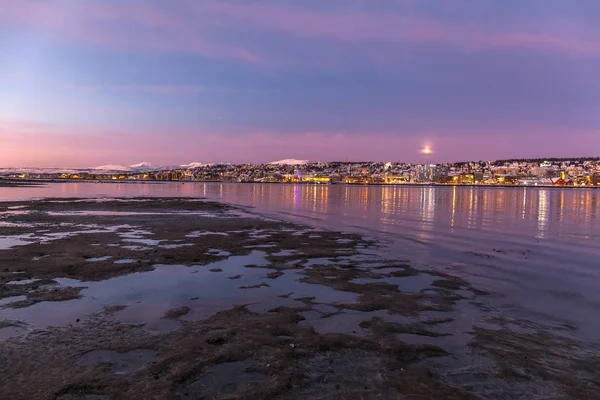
<point>426,150</point>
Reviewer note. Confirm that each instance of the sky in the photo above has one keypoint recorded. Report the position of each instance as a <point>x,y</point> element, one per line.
<point>95,82</point>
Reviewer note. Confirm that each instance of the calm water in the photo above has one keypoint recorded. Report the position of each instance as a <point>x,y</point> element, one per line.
<point>537,250</point>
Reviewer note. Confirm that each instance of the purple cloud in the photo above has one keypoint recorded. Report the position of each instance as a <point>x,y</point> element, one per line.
<point>195,27</point>
<point>248,81</point>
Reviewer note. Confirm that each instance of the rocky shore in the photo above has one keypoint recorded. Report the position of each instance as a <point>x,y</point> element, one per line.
<point>150,298</point>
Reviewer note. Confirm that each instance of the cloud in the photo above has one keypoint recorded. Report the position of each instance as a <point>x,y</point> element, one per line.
<point>227,30</point>
<point>19,126</point>
<point>124,26</point>
<point>34,144</point>
<point>406,26</point>
<point>153,89</point>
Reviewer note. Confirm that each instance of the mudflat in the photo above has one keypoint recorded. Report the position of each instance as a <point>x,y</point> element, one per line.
<point>152,298</point>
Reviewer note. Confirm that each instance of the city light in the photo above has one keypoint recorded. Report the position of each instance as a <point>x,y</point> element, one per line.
<point>575,172</point>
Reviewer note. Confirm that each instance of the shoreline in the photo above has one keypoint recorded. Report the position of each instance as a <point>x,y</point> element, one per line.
<point>185,298</point>
<point>41,182</point>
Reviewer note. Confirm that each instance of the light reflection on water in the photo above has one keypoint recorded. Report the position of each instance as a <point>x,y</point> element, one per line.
<point>542,214</point>
<point>537,247</point>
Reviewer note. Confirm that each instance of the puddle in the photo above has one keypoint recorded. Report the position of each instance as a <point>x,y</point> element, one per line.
<point>159,326</point>
<point>324,308</point>
<point>318,261</point>
<point>344,251</point>
<point>405,284</point>
<point>91,229</point>
<point>467,294</point>
<point>243,214</point>
<point>384,271</point>
<point>125,261</point>
<point>121,363</point>
<point>262,246</point>
<point>419,339</point>
<point>223,379</point>
<point>64,282</point>
<point>196,234</point>
<point>7,242</point>
<point>149,294</point>
<point>347,322</point>
<point>147,242</point>
<point>22,282</point>
<point>218,253</point>
<point>265,236</point>
<point>8,300</point>
<point>10,331</point>
<point>136,248</point>
<point>12,213</point>
<point>135,234</point>
<point>96,259</point>
<point>175,246</point>
<point>285,253</point>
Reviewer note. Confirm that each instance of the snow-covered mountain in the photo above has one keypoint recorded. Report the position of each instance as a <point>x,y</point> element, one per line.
<point>26,170</point>
<point>289,162</point>
<point>111,168</point>
<point>140,167</point>
<point>135,168</point>
<point>193,165</point>
<point>145,166</point>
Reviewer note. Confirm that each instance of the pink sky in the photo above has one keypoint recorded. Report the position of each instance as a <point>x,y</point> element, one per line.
<point>113,82</point>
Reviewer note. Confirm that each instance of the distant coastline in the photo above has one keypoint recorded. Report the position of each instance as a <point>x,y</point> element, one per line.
<point>40,182</point>
<point>579,172</point>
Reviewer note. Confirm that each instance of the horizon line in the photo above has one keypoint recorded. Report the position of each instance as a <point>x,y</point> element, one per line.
<point>317,162</point>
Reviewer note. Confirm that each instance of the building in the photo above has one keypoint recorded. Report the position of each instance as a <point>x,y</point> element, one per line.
<point>318,179</point>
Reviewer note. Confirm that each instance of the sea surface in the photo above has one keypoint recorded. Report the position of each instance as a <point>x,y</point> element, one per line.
<point>537,250</point>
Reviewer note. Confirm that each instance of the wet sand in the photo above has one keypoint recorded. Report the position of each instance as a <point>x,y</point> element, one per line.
<point>187,299</point>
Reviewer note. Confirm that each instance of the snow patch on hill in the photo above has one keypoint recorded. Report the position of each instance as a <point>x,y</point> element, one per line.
<point>146,166</point>
<point>111,168</point>
<point>143,166</point>
<point>289,162</point>
<point>193,165</point>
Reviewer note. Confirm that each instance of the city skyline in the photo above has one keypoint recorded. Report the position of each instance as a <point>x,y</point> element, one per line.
<point>578,172</point>
<point>109,82</point>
